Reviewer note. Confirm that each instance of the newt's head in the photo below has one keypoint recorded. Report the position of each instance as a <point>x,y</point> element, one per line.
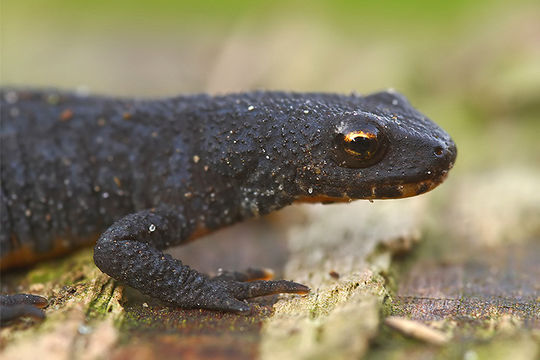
<point>381,149</point>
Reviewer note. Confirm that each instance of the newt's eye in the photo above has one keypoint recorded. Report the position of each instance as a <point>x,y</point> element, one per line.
<point>361,147</point>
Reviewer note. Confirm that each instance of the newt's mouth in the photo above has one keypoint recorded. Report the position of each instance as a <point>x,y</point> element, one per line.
<point>381,191</point>
<point>399,191</point>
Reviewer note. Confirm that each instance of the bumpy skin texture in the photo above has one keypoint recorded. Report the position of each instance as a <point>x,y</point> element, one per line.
<point>169,170</point>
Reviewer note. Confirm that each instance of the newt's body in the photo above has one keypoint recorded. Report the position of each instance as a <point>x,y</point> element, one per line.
<point>160,173</point>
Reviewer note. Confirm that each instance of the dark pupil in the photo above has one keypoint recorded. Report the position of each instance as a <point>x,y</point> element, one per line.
<point>362,145</point>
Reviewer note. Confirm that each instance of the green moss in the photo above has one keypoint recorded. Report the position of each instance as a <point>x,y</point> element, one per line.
<point>65,270</point>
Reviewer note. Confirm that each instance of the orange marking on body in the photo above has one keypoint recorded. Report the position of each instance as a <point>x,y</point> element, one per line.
<point>26,255</point>
<point>66,115</point>
<point>321,199</point>
<point>266,274</point>
<point>200,231</point>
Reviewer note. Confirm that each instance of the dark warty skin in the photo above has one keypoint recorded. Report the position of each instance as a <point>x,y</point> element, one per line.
<point>158,173</point>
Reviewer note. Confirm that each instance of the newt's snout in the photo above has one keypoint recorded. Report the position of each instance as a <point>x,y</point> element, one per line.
<point>447,155</point>
<point>434,159</point>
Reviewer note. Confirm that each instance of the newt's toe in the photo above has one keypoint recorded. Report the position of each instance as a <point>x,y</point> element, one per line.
<point>19,299</point>
<point>263,288</point>
<point>21,305</point>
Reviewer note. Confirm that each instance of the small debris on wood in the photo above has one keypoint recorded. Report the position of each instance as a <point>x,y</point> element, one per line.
<point>334,274</point>
<point>417,330</point>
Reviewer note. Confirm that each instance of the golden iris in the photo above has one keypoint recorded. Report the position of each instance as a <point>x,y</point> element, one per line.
<point>360,143</point>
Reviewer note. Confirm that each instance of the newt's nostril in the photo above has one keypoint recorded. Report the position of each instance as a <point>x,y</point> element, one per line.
<point>438,150</point>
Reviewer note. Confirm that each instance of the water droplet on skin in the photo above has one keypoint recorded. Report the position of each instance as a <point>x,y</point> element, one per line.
<point>306,111</point>
<point>394,102</point>
<point>105,195</point>
<point>152,228</point>
<point>310,190</point>
<point>11,97</point>
<point>251,107</point>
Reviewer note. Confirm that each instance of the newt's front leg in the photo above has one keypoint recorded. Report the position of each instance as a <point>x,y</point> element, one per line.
<point>131,251</point>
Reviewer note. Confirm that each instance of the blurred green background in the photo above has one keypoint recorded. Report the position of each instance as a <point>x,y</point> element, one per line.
<point>472,66</point>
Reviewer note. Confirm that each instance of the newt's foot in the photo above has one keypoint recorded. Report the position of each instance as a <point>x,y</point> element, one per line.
<point>229,292</point>
<point>21,305</point>
<point>235,286</point>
